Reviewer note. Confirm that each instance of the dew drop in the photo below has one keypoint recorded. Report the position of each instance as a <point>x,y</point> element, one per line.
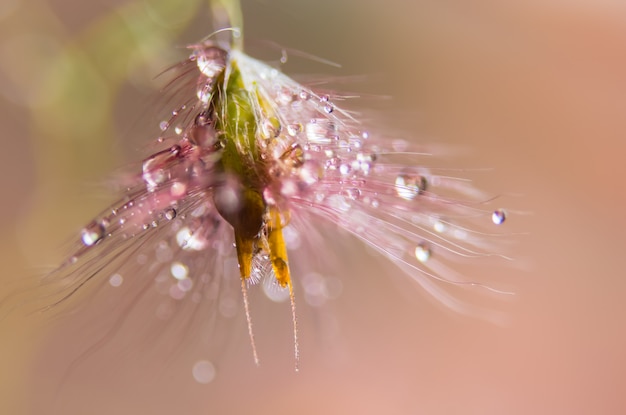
<point>345,169</point>
<point>353,193</point>
<point>169,214</point>
<point>311,172</point>
<point>179,270</point>
<point>498,216</point>
<point>211,61</point>
<point>440,226</point>
<point>164,125</point>
<point>204,93</point>
<point>270,128</point>
<point>294,129</point>
<point>408,186</point>
<point>320,131</point>
<point>92,233</point>
<point>328,108</point>
<point>422,252</point>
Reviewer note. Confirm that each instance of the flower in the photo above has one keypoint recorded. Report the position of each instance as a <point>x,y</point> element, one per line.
<point>250,161</point>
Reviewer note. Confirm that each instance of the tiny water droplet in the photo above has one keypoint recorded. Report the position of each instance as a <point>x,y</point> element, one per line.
<point>164,125</point>
<point>422,252</point>
<point>498,216</point>
<point>328,108</point>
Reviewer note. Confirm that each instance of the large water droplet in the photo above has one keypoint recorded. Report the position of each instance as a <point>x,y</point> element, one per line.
<point>408,186</point>
<point>211,61</point>
<point>320,131</point>
<point>498,216</point>
<point>92,233</point>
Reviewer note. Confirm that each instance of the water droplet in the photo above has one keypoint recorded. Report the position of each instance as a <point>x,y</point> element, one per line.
<point>440,226</point>
<point>203,371</point>
<point>345,169</point>
<point>178,130</point>
<point>164,125</point>
<point>211,61</point>
<point>273,290</point>
<point>294,129</point>
<point>179,270</point>
<point>408,186</point>
<point>320,131</point>
<point>270,128</point>
<point>328,108</point>
<point>204,93</point>
<point>154,170</point>
<point>92,233</point>
<point>311,172</point>
<point>190,241</point>
<point>498,216</point>
<point>178,189</point>
<point>422,252</point>
<point>304,95</point>
<point>169,214</point>
<point>294,156</point>
<point>353,193</point>
<point>284,96</point>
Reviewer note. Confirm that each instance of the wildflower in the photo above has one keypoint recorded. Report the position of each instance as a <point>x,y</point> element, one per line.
<point>249,160</point>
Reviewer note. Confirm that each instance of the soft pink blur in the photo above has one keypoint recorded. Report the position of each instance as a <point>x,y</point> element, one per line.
<point>535,90</point>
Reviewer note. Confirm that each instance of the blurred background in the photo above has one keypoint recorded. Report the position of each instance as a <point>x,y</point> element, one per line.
<point>534,89</point>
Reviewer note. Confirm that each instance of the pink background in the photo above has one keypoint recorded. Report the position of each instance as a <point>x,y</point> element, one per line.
<point>535,89</point>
